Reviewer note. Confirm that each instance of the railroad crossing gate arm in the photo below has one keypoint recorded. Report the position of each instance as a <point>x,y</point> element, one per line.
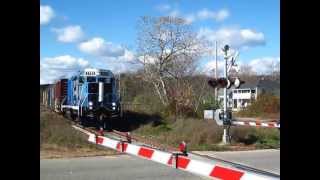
<point>212,170</point>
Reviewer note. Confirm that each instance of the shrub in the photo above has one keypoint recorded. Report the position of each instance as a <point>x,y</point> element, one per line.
<point>265,105</point>
<point>261,137</point>
<point>208,103</point>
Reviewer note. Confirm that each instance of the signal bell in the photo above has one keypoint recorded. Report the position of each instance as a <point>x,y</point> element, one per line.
<point>237,82</point>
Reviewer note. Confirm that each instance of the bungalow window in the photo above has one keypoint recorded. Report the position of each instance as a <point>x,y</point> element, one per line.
<point>253,91</point>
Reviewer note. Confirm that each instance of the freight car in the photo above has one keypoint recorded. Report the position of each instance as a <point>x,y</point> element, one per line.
<point>89,96</point>
<point>60,93</point>
<point>47,95</point>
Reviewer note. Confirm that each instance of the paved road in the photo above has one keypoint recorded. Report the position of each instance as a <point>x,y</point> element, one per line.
<point>109,167</point>
<point>267,160</point>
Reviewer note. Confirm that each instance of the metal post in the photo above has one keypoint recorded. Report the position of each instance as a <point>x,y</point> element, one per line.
<point>225,138</point>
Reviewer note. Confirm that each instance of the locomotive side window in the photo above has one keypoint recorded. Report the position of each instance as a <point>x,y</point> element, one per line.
<point>104,73</point>
<point>102,79</point>
<point>81,79</point>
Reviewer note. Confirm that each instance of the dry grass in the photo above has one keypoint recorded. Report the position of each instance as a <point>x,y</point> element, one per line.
<point>266,106</point>
<point>59,139</point>
<point>206,135</point>
<point>198,134</point>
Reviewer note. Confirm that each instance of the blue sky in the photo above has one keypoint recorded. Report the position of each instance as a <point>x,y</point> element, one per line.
<point>253,27</point>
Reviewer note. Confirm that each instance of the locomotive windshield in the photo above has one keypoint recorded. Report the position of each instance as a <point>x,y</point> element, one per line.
<point>93,88</point>
<point>91,79</point>
<point>102,79</point>
<point>107,88</point>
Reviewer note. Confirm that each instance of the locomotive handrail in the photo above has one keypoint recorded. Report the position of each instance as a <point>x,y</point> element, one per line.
<point>80,96</point>
<point>82,103</point>
<point>61,105</point>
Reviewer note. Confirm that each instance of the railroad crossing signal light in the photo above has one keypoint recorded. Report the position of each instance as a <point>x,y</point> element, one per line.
<point>220,83</point>
<point>225,83</point>
<point>213,83</point>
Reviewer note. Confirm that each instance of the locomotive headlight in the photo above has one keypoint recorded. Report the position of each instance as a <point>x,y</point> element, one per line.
<point>113,104</point>
<point>90,103</point>
<point>113,108</point>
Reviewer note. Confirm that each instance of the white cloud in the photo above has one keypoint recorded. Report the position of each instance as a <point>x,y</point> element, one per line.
<point>220,15</point>
<point>52,68</point>
<point>265,65</point>
<point>99,47</point>
<point>46,14</point>
<point>174,13</point>
<point>117,65</point>
<point>190,18</point>
<point>163,7</point>
<point>237,38</point>
<point>146,59</point>
<point>203,14</point>
<point>209,68</point>
<point>128,56</point>
<point>69,34</point>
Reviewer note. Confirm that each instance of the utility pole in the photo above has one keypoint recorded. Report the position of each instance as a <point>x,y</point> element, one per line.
<point>216,74</point>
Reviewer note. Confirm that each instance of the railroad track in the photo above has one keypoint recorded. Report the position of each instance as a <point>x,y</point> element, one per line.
<point>114,134</point>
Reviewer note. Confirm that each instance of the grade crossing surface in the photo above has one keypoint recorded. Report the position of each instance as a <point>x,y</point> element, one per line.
<point>109,167</point>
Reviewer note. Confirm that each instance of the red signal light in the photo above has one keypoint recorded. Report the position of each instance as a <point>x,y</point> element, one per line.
<point>213,83</point>
<point>222,82</point>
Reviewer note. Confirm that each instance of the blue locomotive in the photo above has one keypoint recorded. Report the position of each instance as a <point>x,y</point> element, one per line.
<point>89,96</point>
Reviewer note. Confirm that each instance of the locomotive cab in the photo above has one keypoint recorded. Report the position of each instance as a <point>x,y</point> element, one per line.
<point>102,100</point>
<point>92,96</point>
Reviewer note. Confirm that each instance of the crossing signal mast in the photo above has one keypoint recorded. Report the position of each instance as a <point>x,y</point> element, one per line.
<point>223,117</point>
<point>225,82</point>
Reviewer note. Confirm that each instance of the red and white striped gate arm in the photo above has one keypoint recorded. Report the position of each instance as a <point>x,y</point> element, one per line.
<point>256,124</point>
<point>244,121</point>
<point>211,170</point>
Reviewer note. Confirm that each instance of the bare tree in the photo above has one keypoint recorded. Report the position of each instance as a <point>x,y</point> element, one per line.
<point>276,71</point>
<point>246,72</point>
<point>168,49</point>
